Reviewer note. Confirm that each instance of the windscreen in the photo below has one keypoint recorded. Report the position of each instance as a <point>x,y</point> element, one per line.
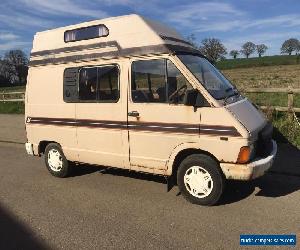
<point>212,79</point>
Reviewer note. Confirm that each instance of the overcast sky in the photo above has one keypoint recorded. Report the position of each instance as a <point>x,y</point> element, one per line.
<point>233,21</point>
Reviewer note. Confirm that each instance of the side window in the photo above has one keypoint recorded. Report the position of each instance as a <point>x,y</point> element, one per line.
<point>99,84</point>
<point>158,81</point>
<point>86,33</point>
<point>88,84</point>
<point>70,89</point>
<point>149,81</point>
<point>108,78</point>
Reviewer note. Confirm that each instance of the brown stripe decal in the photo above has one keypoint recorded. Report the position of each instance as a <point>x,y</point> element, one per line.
<point>77,48</point>
<point>165,127</point>
<point>179,128</point>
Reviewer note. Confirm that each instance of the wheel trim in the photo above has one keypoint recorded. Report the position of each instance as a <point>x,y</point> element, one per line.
<point>198,182</point>
<point>55,160</point>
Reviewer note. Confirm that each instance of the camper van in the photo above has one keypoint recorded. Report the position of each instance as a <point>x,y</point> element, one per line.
<point>131,93</point>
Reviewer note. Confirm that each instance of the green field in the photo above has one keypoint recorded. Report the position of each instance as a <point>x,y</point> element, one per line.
<point>12,108</point>
<point>272,99</point>
<point>265,77</point>
<point>258,62</point>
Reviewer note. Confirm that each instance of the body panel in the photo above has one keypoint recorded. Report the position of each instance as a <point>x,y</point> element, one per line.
<point>163,127</point>
<point>103,140</point>
<point>44,99</point>
<point>248,115</point>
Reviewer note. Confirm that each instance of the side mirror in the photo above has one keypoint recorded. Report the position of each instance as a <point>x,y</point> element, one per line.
<point>195,98</point>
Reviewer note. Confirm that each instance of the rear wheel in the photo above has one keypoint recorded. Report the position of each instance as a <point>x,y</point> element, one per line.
<point>55,160</point>
<point>200,180</point>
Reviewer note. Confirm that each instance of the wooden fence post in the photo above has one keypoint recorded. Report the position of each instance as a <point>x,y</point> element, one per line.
<point>290,102</point>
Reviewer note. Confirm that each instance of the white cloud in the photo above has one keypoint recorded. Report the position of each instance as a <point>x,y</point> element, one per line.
<point>218,26</point>
<point>247,23</point>
<point>281,20</point>
<point>7,36</point>
<point>63,7</point>
<point>9,40</point>
<point>117,2</point>
<point>21,21</point>
<point>14,45</point>
<point>194,14</point>
<point>223,17</point>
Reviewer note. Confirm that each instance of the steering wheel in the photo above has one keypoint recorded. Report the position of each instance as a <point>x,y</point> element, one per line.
<point>182,89</point>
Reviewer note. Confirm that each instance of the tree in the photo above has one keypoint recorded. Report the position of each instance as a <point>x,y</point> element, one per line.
<point>261,49</point>
<point>289,46</point>
<point>248,48</point>
<point>4,79</point>
<point>298,48</point>
<point>15,66</point>
<point>234,53</point>
<point>213,49</point>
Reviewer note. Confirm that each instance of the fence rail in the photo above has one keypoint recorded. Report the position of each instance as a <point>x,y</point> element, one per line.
<point>290,98</point>
<point>12,96</point>
<point>20,97</point>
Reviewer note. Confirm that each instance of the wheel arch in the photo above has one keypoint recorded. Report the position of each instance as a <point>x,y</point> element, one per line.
<point>43,144</point>
<point>181,152</point>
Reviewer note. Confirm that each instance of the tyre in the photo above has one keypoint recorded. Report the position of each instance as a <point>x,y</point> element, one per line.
<point>200,180</point>
<point>55,160</point>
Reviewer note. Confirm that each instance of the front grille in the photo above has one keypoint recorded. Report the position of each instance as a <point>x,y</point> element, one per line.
<point>264,143</point>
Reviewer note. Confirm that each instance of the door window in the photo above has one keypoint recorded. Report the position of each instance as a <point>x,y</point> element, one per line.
<point>157,81</point>
<point>177,84</point>
<point>148,81</point>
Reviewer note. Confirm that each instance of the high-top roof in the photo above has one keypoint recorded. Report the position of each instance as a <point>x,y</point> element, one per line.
<point>130,34</point>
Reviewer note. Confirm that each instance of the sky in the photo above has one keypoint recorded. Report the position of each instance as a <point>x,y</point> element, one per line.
<point>234,22</point>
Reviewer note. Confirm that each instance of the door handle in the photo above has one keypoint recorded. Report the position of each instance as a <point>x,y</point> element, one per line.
<point>134,113</point>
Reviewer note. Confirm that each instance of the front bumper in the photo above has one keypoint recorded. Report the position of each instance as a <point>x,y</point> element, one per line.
<point>29,148</point>
<point>251,170</point>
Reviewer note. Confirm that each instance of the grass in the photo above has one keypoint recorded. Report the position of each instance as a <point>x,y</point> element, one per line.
<point>286,129</point>
<point>265,77</point>
<point>12,108</point>
<point>258,62</point>
<point>272,99</point>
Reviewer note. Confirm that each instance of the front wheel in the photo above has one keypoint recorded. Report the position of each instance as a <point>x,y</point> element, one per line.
<point>200,180</point>
<point>55,160</point>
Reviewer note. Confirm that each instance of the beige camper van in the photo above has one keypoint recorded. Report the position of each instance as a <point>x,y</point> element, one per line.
<point>131,93</point>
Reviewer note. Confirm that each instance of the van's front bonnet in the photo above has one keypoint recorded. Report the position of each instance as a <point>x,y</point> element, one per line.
<point>252,119</point>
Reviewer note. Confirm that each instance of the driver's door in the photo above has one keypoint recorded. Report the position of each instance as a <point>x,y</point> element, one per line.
<point>158,121</point>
